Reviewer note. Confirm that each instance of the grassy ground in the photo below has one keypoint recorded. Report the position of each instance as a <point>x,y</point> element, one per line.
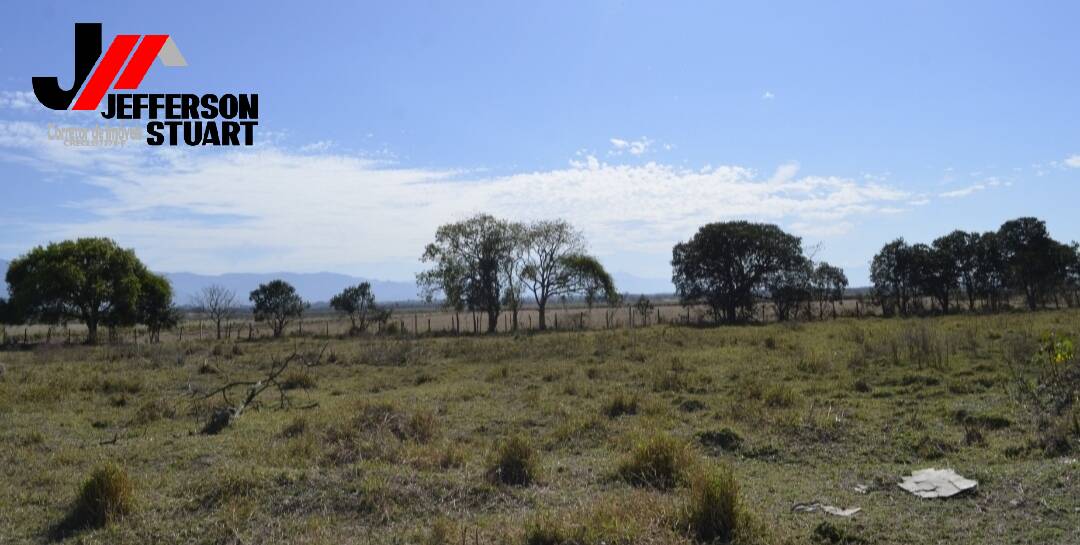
<point>400,444</point>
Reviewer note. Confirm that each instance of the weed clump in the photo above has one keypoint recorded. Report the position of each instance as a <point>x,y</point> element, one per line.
<point>827,533</point>
<point>724,439</point>
<point>106,497</point>
<point>780,396</point>
<point>298,379</point>
<point>153,411</point>
<point>514,462</point>
<point>621,404</point>
<point>714,512</point>
<point>659,462</point>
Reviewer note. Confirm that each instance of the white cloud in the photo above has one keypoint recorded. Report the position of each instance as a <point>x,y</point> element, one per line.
<point>17,100</point>
<point>321,145</point>
<point>267,208</point>
<point>633,147</point>
<point>1073,161</point>
<point>767,95</point>
<point>963,192</point>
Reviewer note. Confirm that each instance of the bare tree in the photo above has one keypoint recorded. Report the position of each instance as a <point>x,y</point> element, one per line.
<point>217,303</point>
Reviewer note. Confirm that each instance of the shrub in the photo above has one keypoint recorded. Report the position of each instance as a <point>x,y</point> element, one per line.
<point>106,497</point>
<point>659,461</point>
<point>713,512</point>
<point>621,404</point>
<point>513,462</point>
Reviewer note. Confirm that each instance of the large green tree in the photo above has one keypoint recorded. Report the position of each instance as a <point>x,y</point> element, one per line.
<point>92,280</point>
<point>468,260</point>
<point>725,263</point>
<point>959,250</point>
<point>892,273</point>
<point>1032,258</point>
<point>277,303</point>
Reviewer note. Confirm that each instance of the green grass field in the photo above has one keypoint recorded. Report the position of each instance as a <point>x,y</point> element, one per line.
<point>401,444</point>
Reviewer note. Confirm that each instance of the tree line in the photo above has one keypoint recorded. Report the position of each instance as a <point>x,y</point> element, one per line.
<point>95,282</point>
<point>1018,260</point>
<point>485,264</point>
<point>490,265</point>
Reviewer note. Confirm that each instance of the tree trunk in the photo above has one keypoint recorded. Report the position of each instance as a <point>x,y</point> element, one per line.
<point>91,331</point>
<point>542,305</point>
<point>493,321</point>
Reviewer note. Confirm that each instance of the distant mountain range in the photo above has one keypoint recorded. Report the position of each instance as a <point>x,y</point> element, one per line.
<point>320,287</point>
<point>313,287</point>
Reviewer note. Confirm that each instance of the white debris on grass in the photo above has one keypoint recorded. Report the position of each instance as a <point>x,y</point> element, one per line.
<point>830,509</point>
<point>936,483</point>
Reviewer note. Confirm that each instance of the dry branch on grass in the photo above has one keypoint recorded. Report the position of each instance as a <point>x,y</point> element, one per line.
<point>224,416</point>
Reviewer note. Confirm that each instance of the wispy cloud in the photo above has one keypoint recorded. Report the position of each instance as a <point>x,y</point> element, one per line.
<point>963,192</point>
<point>1072,161</point>
<point>270,208</point>
<point>633,147</point>
<point>17,100</point>
<point>767,95</point>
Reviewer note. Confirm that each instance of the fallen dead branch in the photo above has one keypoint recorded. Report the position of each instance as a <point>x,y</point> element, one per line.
<point>252,390</point>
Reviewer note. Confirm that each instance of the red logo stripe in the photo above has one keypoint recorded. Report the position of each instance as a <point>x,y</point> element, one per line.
<point>140,62</point>
<point>106,71</point>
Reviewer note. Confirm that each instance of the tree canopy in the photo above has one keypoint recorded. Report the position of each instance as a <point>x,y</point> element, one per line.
<point>358,303</point>
<point>1018,259</point>
<point>484,262</point>
<point>725,263</point>
<point>277,303</point>
<point>91,280</point>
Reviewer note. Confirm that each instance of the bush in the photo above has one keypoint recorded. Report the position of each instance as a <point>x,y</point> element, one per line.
<point>621,404</point>
<point>106,497</point>
<point>714,512</point>
<point>514,462</point>
<point>659,461</point>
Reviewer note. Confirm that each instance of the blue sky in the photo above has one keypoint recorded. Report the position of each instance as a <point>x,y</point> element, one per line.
<point>849,123</point>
